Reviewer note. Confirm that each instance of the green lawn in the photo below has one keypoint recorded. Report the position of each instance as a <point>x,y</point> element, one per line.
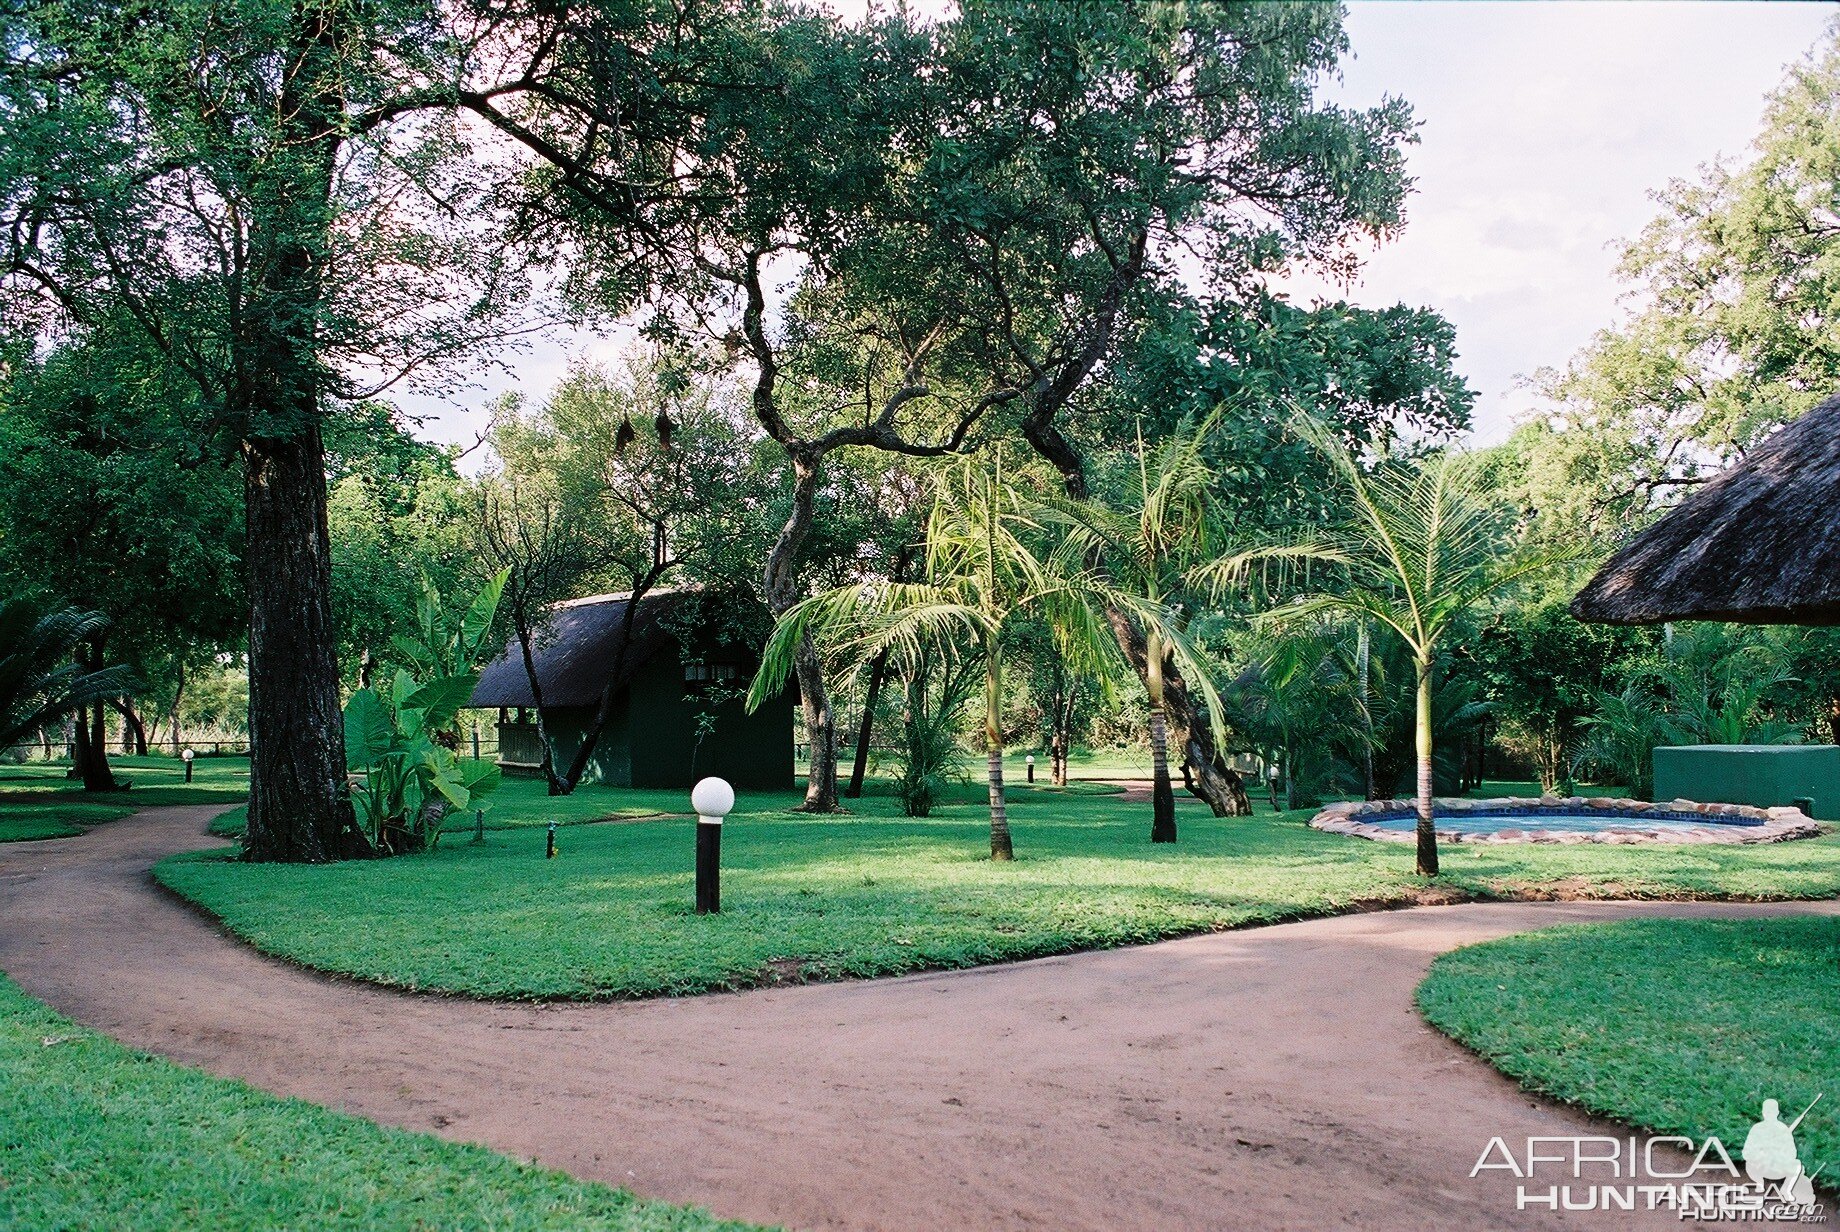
<point>93,1135</point>
<point>1675,1026</point>
<point>38,801</point>
<point>874,893</point>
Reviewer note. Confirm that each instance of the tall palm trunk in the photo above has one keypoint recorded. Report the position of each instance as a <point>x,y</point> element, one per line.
<point>1000,848</point>
<point>1364,660</point>
<point>1427,828</point>
<point>1162,795</point>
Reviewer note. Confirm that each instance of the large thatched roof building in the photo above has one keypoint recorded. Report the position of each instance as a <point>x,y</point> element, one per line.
<point>671,665</point>
<point>1760,543</point>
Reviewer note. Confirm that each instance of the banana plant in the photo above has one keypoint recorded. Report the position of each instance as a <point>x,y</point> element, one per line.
<point>398,732</point>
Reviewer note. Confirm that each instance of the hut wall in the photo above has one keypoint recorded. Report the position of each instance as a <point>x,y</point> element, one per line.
<point>751,751</point>
<point>611,763</point>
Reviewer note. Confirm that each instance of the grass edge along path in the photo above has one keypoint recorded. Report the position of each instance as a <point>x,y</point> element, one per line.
<point>38,800</point>
<point>96,1135</point>
<point>1672,1026</point>
<point>874,894</point>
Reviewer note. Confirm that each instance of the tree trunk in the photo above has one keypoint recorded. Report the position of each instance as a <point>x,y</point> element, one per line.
<point>1204,771</point>
<point>299,807</point>
<point>610,692</point>
<point>1364,654</point>
<point>523,630</point>
<point>1062,735</point>
<point>92,760</point>
<point>1162,796</point>
<point>133,731</point>
<point>1000,846</point>
<point>878,671</point>
<point>178,737</point>
<point>1833,720</point>
<point>782,591</point>
<point>1427,827</point>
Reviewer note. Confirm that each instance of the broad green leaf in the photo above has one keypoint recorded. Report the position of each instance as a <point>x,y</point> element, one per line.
<point>441,699</point>
<point>369,734</point>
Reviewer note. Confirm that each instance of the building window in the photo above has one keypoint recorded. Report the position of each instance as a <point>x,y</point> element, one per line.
<point>711,673</point>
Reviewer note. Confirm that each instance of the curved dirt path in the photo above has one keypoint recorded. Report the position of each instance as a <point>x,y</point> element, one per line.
<point>1272,1078</point>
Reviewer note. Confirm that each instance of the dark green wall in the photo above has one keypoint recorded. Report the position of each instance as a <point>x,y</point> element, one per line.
<point>651,737</point>
<point>749,750</point>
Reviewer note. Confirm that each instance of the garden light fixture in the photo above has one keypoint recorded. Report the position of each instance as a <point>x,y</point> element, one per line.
<point>712,799</point>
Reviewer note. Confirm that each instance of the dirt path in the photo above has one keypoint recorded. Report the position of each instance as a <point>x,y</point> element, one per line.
<point>1275,1078</point>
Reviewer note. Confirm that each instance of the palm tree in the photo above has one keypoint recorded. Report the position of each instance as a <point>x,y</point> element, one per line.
<point>1423,543</point>
<point>982,580</point>
<point>1149,549</point>
<point>40,682</point>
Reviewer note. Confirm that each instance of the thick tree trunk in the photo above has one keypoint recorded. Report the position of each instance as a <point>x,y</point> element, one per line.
<point>1162,795</point>
<point>780,583</point>
<point>1000,846</point>
<point>1427,827</point>
<point>299,807</point>
<point>1833,720</point>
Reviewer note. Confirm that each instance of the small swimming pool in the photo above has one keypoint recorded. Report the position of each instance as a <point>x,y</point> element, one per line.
<point>1570,820</point>
<point>1490,823</point>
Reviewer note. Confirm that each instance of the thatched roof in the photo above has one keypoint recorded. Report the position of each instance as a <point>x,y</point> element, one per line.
<point>576,648</point>
<point>1760,544</point>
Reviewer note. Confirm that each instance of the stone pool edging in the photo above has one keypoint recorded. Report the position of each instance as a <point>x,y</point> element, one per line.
<point>1747,824</point>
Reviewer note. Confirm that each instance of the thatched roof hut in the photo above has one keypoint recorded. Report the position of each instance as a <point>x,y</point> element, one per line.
<point>676,673</point>
<point>580,644</point>
<point>1759,544</point>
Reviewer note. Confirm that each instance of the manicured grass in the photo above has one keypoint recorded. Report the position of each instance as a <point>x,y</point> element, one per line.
<point>212,777</point>
<point>231,823</point>
<point>25,826</point>
<point>40,790</point>
<point>93,1135</point>
<point>520,803</point>
<point>875,894</point>
<point>1676,1026</point>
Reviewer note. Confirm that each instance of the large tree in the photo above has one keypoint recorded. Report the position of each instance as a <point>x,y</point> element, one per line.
<point>278,195</point>
<point>1094,164</point>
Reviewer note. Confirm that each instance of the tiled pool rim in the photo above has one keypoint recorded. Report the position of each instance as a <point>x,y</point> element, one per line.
<point>1719,823</point>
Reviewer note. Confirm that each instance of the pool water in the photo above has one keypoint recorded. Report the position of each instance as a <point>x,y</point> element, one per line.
<point>1586,823</point>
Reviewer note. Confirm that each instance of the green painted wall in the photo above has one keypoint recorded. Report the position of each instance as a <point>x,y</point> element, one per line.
<point>752,751</point>
<point>1763,775</point>
<point>651,738</point>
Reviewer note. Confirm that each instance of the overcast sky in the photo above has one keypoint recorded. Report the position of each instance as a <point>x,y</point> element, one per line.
<point>1545,127</point>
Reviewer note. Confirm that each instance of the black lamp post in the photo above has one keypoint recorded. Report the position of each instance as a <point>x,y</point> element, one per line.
<point>187,757</point>
<point>712,799</point>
